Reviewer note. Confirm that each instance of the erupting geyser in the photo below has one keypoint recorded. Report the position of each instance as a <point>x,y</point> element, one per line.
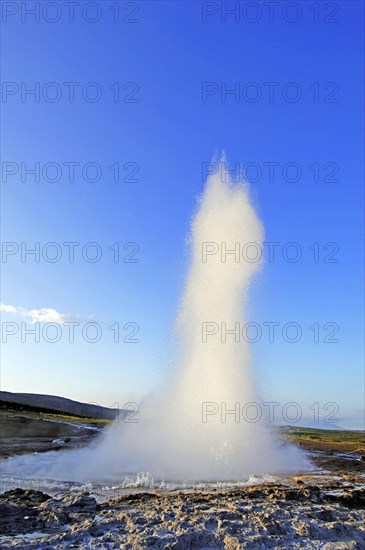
<point>187,432</point>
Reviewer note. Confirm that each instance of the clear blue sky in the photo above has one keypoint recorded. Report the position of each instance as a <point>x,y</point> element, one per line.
<point>169,133</point>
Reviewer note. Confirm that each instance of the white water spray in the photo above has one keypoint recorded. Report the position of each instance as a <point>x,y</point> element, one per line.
<point>173,439</point>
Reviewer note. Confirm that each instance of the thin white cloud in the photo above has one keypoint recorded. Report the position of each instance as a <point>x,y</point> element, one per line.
<point>8,309</point>
<point>44,315</point>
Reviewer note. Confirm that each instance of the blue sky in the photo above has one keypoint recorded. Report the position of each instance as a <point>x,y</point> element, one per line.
<point>168,133</point>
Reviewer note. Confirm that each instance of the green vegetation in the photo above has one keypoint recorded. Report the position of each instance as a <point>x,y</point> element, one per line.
<point>69,418</point>
<point>56,416</point>
<point>351,440</point>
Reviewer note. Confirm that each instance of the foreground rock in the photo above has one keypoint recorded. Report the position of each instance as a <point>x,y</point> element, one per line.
<point>299,513</point>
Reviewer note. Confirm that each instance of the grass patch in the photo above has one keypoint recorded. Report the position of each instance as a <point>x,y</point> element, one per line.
<point>353,440</point>
<point>58,417</point>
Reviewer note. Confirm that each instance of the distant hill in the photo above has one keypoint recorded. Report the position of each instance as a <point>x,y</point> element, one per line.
<point>54,404</point>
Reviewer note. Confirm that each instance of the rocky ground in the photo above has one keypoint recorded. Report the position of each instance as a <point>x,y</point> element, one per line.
<point>320,510</point>
<point>323,509</point>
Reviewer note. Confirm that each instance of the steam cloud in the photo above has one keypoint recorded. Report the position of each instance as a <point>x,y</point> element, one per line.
<point>171,441</point>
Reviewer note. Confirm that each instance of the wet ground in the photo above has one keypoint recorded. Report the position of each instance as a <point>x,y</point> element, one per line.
<point>323,508</point>
<point>24,433</point>
<point>310,511</point>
